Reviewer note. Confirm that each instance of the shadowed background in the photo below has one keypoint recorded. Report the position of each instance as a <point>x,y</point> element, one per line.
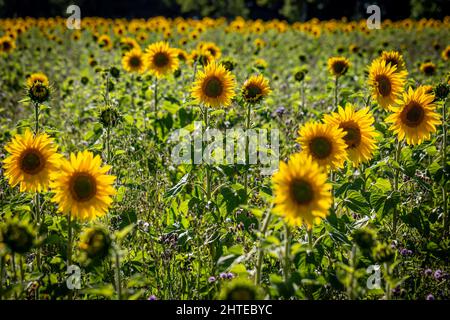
<point>291,10</point>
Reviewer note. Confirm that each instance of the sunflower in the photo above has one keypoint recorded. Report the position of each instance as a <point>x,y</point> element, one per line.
<point>161,59</point>
<point>428,68</point>
<point>133,61</point>
<point>446,53</point>
<point>128,44</point>
<point>395,59</point>
<point>35,78</point>
<point>324,143</point>
<point>302,194</point>
<point>104,41</point>
<point>415,118</point>
<point>202,56</point>
<point>214,86</point>
<point>338,66</point>
<point>7,44</point>
<point>212,48</point>
<point>386,83</point>
<point>32,160</point>
<point>255,89</point>
<point>82,187</point>
<point>359,132</point>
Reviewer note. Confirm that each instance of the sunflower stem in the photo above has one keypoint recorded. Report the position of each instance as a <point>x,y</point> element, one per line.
<point>118,279</point>
<point>287,257</point>
<point>260,249</point>
<point>310,239</point>
<point>155,97</point>
<point>444,164</point>
<point>208,170</point>
<point>36,118</point>
<point>247,156</point>
<point>37,208</point>
<point>396,177</point>
<point>303,95</point>
<point>336,92</point>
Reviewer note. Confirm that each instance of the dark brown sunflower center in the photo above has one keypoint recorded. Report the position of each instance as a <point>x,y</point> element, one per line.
<point>6,45</point>
<point>352,135</point>
<point>161,60</point>
<point>302,191</point>
<point>320,147</point>
<point>384,85</point>
<point>339,67</point>
<point>135,61</point>
<point>83,187</point>
<point>413,115</point>
<point>252,92</point>
<point>429,69</point>
<point>32,162</point>
<point>213,87</point>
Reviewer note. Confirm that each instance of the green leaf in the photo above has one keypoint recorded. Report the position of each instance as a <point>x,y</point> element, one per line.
<point>176,189</point>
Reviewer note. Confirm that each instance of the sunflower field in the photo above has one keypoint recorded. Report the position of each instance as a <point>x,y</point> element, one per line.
<point>95,203</point>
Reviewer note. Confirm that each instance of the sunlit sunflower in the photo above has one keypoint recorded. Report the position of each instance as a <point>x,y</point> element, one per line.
<point>212,48</point>
<point>133,61</point>
<point>255,89</point>
<point>37,77</point>
<point>359,132</point>
<point>395,59</point>
<point>338,66</point>
<point>214,86</point>
<point>415,118</point>
<point>324,143</point>
<point>161,60</point>
<point>302,194</point>
<point>82,186</point>
<point>386,83</point>
<point>32,160</point>
<point>446,53</point>
<point>428,68</point>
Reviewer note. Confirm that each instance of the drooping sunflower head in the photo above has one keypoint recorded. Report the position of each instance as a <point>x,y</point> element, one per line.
<point>428,68</point>
<point>214,86</point>
<point>324,143</point>
<point>133,61</point>
<point>82,186</point>
<point>415,117</point>
<point>7,44</point>
<point>109,116</point>
<point>446,53</point>
<point>31,162</point>
<point>302,194</point>
<point>161,60</point>
<point>255,89</point>
<point>385,82</point>
<point>359,132</point>
<point>18,235</point>
<point>441,91</point>
<point>338,66</point>
<point>395,59</point>
<point>229,63</point>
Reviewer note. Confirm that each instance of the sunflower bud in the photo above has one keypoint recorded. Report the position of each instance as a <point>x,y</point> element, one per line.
<point>383,253</point>
<point>95,243</point>
<point>39,92</point>
<point>177,73</point>
<point>229,64</point>
<point>114,72</point>
<point>18,236</point>
<point>441,91</point>
<point>365,239</point>
<point>240,289</point>
<point>109,117</point>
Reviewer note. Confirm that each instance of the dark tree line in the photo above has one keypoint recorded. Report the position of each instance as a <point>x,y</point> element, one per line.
<point>292,10</point>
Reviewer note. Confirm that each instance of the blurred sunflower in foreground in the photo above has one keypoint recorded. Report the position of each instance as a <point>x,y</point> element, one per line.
<point>32,161</point>
<point>359,132</point>
<point>302,194</point>
<point>82,186</point>
<point>214,86</point>
<point>415,118</point>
